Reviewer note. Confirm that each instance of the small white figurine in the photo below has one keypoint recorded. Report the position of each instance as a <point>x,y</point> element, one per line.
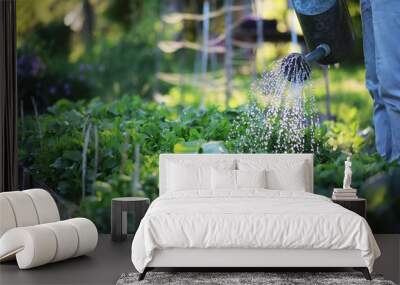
<point>347,174</point>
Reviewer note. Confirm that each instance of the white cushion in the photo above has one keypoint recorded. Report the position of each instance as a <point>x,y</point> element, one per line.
<point>187,175</point>
<point>223,179</point>
<point>67,240</point>
<point>87,233</point>
<point>183,178</point>
<point>226,179</point>
<point>32,246</point>
<point>26,208</point>
<point>282,174</point>
<point>7,218</point>
<point>251,178</point>
<point>40,244</point>
<point>23,208</point>
<point>45,206</point>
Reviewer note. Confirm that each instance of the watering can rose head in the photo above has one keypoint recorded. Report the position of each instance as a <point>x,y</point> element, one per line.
<point>295,68</point>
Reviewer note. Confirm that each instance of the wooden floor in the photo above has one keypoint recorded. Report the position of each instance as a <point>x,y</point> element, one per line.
<point>111,259</point>
<point>103,266</point>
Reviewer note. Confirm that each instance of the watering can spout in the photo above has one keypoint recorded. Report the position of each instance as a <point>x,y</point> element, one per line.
<point>325,23</point>
<point>320,52</point>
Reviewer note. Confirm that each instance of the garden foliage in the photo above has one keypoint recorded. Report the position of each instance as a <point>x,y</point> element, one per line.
<point>85,150</point>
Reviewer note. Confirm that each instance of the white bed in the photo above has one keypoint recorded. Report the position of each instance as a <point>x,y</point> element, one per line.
<point>281,224</point>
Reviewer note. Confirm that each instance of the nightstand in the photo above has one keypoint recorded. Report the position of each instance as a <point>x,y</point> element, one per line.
<point>120,207</point>
<point>358,206</point>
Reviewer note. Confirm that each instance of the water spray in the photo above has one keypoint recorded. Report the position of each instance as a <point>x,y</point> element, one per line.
<point>288,120</point>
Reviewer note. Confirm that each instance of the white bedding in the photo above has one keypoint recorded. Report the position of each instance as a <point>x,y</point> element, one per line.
<point>252,218</point>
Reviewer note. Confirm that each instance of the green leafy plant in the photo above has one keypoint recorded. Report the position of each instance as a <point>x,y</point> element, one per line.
<point>86,150</point>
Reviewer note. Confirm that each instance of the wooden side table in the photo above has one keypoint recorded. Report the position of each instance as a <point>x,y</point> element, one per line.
<point>120,207</point>
<point>358,206</point>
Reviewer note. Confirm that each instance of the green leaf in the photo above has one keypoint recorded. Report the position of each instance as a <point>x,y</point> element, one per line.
<point>188,147</point>
<point>214,147</point>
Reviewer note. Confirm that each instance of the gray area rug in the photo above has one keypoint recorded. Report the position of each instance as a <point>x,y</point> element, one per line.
<point>269,278</point>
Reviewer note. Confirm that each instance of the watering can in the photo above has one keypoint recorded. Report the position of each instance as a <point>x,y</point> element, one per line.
<point>327,29</point>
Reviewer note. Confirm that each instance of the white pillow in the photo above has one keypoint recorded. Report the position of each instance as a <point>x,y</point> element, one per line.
<point>185,174</point>
<point>223,179</point>
<point>227,179</point>
<point>292,179</point>
<point>182,177</point>
<point>281,174</point>
<point>251,178</point>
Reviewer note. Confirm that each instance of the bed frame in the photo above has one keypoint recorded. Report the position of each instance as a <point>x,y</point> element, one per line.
<point>246,258</point>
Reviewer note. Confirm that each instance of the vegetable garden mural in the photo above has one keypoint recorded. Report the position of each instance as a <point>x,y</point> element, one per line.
<point>106,86</point>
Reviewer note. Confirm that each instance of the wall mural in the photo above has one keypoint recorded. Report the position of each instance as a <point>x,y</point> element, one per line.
<point>105,86</point>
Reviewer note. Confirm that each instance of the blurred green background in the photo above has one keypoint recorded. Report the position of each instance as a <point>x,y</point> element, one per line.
<point>104,86</point>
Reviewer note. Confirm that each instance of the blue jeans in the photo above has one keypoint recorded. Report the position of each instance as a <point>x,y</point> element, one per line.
<point>381,34</point>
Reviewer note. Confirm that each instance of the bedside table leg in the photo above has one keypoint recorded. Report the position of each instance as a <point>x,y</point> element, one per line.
<point>117,231</point>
